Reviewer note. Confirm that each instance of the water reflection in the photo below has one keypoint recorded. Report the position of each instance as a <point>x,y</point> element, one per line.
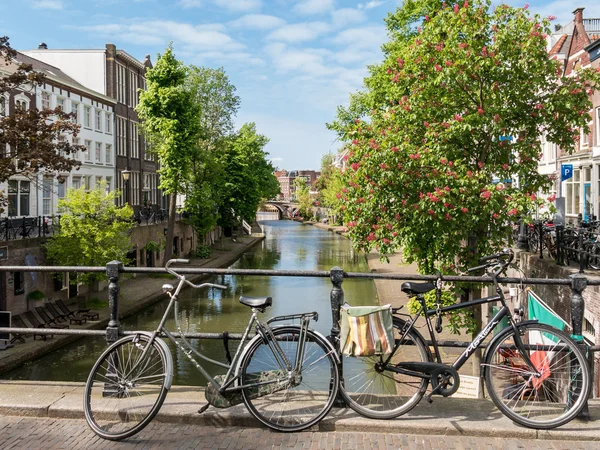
<point>287,246</point>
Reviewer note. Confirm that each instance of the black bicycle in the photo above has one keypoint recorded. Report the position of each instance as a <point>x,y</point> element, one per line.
<point>535,374</point>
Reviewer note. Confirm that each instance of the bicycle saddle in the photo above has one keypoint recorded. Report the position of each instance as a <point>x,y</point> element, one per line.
<point>412,288</point>
<point>256,302</point>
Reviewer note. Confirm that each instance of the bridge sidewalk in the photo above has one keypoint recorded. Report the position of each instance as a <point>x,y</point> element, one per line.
<point>445,416</point>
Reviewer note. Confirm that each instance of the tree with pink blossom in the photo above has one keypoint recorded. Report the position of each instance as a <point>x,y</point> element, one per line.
<point>425,137</point>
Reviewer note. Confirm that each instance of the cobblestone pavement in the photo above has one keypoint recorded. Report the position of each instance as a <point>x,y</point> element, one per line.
<point>28,433</point>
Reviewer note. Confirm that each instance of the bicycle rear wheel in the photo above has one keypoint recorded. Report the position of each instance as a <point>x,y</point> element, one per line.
<point>295,400</point>
<point>543,402</point>
<point>125,391</point>
<point>374,391</point>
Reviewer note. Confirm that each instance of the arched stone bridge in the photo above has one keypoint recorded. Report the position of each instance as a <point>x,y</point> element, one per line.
<point>280,207</point>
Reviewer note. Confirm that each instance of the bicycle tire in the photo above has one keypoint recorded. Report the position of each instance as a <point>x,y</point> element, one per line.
<point>304,399</point>
<point>383,394</point>
<point>542,402</point>
<point>119,406</point>
<point>594,256</point>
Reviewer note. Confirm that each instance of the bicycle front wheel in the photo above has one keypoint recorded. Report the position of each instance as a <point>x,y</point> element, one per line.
<point>290,400</point>
<point>548,400</point>
<point>125,388</point>
<point>373,390</point>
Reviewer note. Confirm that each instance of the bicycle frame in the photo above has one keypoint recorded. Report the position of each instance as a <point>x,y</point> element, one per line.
<point>231,381</point>
<point>474,345</point>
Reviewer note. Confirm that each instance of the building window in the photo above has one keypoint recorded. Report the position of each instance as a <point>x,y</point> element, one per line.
<point>108,126</point>
<point>135,145</point>
<point>108,153</point>
<point>573,196</point>
<point>121,83</point>
<point>88,150</point>
<point>19,283</point>
<point>108,184</point>
<point>135,188</point>
<point>61,188</point>
<point>47,196</point>
<point>18,197</point>
<point>21,105</point>
<point>98,152</point>
<point>98,120</point>
<point>60,104</point>
<point>45,100</point>
<point>88,182</point>
<point>75,111</point>
<point>121,137</point>
<point>76,182</point>
<point>87,117</point>
<point>76,154</point>
<point>133,85</point>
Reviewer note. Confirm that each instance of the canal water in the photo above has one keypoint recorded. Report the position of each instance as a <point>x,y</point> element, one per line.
<point>288,245</point>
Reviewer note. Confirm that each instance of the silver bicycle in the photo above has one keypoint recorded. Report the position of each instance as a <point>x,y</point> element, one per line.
<point>286,375</point>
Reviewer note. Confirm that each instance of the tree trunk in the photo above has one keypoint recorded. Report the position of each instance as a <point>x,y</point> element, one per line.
<point>170,227</point>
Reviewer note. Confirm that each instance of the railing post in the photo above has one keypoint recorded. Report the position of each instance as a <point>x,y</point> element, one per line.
<point>337,300</point>
<point>112,272</point>
<point>112,330</point>
<point>559,243</point>
<point>578,284</point>
<point>522,239</point>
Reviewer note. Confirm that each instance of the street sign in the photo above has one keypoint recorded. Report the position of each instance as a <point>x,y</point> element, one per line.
<point>566,171</point>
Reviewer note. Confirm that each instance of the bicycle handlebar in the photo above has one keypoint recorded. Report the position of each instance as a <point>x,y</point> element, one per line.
<point>182,278</point>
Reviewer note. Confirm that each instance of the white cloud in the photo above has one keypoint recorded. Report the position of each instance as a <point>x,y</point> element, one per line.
<point>189,3</point>
<point>310,7</point>
<point>206,37</point>
<point>48,4</point>
<point>347,16</point>
<point>299,32</point>
<point>308,61</point>
<point>371,4</point>
<point>257,22</point>
<point>362,37</point>
<point>239,5</point>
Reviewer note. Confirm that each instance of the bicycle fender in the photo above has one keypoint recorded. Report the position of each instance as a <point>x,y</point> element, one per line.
<point>169,358</point>
<point>500,336</point>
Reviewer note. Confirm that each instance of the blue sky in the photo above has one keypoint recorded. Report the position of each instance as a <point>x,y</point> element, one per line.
<point>292,61</point>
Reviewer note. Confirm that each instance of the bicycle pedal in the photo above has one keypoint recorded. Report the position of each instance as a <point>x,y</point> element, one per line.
<point>429,399</point>
<point>203,408</point>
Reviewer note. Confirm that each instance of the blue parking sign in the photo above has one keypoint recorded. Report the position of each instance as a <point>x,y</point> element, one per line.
<point>566,171</point>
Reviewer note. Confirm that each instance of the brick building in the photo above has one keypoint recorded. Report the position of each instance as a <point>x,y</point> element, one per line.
<point>118,75</point>
<point>573,46</point>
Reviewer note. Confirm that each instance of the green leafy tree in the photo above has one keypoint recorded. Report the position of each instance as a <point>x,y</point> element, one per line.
<point>93,231</point>
<point>455,79</point>
<point>216,105</point>
<point>248,175</point>
<point>303,198</point>
<point>169,118</point>
<point>31,136</point>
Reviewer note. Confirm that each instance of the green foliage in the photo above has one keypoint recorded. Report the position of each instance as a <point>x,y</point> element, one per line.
<point>248,176</point>
<point>302,194</point>
<point>424,142</point>
<point>153,246</point>
<point>93,231</point>
<point>169,120</point>
<point>202,251</point>
<point>458,320</point>
<point>35,295</point>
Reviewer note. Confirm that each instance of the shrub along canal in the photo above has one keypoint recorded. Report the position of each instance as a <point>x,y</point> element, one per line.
<point>288,245</point>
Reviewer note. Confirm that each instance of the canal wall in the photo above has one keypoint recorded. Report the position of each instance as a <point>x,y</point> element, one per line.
<point>135,294</point>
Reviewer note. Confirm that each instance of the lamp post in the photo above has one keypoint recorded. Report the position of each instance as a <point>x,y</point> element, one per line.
<point>126,174</point>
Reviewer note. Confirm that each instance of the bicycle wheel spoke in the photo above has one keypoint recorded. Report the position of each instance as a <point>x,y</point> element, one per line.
<point>541,401</point>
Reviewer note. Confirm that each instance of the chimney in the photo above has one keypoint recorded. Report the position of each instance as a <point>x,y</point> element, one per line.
<point>578,13</point>
<point>42,46</point>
